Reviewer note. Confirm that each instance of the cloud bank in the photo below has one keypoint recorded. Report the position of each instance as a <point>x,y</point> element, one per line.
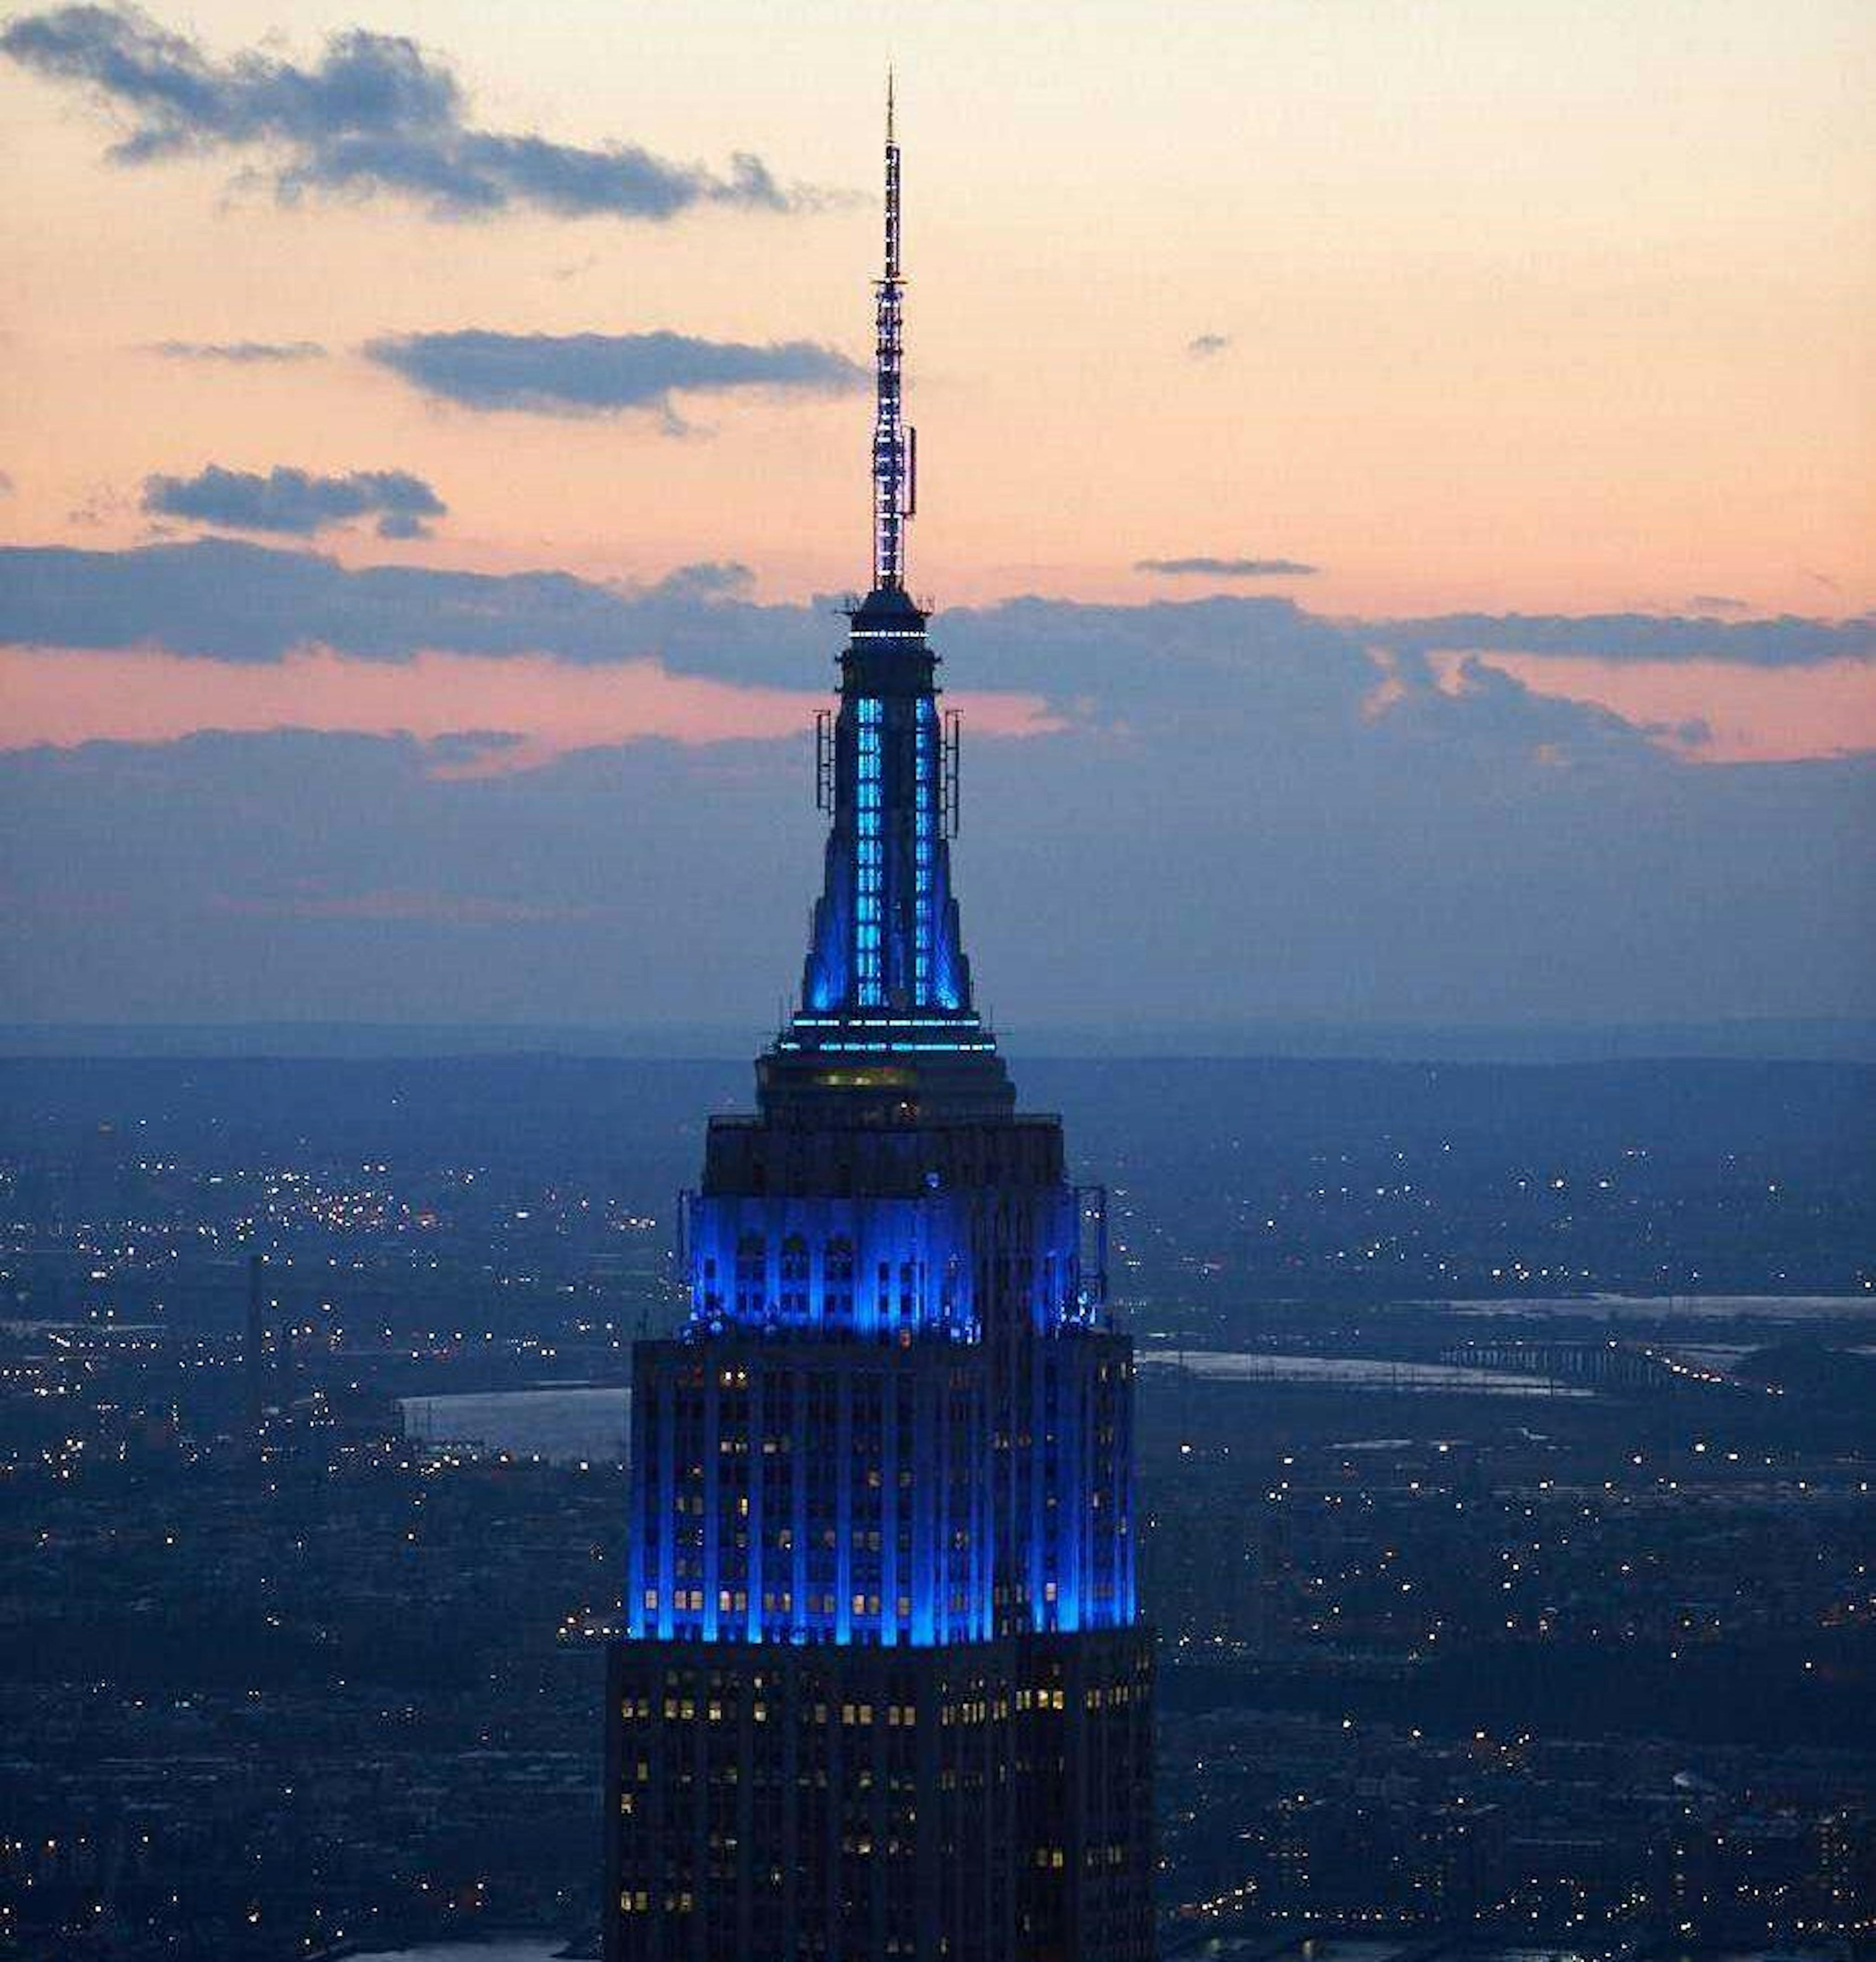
<point>1786,641</point>
<point>376,115</point>
<point>221,753</point>
<point>293,501</point>
<point>231,600</point>
<point>600,374</point>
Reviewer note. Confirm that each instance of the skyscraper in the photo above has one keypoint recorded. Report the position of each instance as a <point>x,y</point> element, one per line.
<point>884,1690</point>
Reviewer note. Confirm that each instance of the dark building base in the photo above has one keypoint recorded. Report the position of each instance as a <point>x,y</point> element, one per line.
<point>979,1802</point>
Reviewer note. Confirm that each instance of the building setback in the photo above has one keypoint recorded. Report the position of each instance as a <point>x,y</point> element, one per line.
<point>884,1690</point>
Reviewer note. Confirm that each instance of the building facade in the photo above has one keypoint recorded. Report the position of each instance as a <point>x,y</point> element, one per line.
<point>884,1690</point>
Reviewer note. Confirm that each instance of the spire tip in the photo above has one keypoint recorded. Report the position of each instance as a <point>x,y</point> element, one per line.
<point>892,455</point>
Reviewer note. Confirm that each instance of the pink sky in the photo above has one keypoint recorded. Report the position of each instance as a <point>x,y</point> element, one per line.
<point>548,708</point>
<point>64,697</point>
<point>1510,308</point>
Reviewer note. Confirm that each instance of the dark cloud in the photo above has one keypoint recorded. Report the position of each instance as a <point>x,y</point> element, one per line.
<point>707,579</point>
<point>1202,347</point>
<point>240,353</point>
<point>1225,568</point>
<point>464,747</point>
<point>597,373</point>
<point>6,484</point>
<point>294,501</point>
<point>1717,603</point>
<point>374,114</point>
<point>1786,641</point>
<point>226,599</point>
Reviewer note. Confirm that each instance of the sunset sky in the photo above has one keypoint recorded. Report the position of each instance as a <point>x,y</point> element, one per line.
<point>1487,392</point>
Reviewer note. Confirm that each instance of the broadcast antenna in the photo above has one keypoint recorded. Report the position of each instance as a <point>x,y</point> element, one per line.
<point>895,446</point>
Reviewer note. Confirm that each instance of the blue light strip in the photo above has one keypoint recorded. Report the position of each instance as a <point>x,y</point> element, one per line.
<point>897,1047</point>
<point>887,1022</point>
<point>925,833</point>
<point>869,854</point>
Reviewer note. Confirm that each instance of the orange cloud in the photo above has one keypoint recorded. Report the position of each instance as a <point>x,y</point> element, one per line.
<point>543,708</point>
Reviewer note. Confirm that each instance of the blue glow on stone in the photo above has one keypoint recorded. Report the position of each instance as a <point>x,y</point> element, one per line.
<point>885,934</point>
<point>869,856</point>
<point>801,1531</point>
<point>924,847</point>
<point>845,1276</point>
<point>860,1266</point>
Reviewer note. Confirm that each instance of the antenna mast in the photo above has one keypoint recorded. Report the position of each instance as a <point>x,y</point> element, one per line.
<point>895,447</point>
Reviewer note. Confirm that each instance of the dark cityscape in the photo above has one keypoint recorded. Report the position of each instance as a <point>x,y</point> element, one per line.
<point>1535,1612</point>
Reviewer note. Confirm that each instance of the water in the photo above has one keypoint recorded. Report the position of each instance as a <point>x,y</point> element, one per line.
<point>569,1425</point>
<point>518,1948</point>
<point>568,1422</point>
<point>1361,1372</point>
<point>563,1425</point>
<point>1780,1307</point>
<point>1341,1948</point>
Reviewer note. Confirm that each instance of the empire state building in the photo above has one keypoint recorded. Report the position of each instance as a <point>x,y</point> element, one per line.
<point>884,1690</point>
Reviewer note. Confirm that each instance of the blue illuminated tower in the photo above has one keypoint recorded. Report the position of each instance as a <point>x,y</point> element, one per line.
<point>884,1690</point>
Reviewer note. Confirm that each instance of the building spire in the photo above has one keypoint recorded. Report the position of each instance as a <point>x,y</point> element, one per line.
<point>885,1026</point>
<point>895,446</point>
